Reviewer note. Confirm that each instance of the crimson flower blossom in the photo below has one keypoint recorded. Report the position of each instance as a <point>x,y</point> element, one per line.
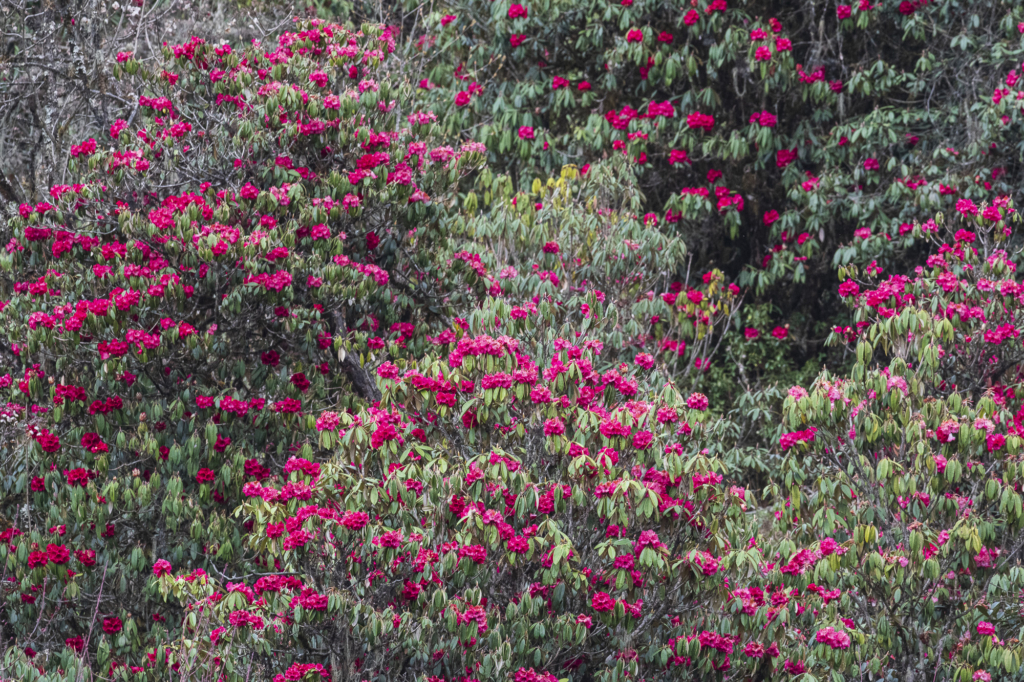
<point>554,427</point>
<point>848,288</point>
<point>602,602</point>
<point>678,156</point>
<point>697,401</point>
<point>703,121</point>
<point>784,157</point>
<point>58,554</point>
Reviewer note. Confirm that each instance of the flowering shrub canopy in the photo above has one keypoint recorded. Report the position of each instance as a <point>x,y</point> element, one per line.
<point>782,138</point>
<point>214,303</point>
<point>311,386</point>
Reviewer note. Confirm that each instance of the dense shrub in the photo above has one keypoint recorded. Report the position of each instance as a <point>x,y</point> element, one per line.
<point>219,253</point>
<point>309,385</point>
<point>779,139</point>
<point>219,277</point>
<point>604,544</point>
<point>913,461</point>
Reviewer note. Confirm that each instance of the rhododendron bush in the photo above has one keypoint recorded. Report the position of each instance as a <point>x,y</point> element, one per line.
<point>505,511</point>
<point>309,376</point>
<point>504,507</point>
<point>211,305</point>
<point>901,501</point>
<point>783,139</point>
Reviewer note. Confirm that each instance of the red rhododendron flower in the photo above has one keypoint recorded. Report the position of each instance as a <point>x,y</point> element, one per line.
<point>602,602</point>
<point>702,121</point>
<point>784,157</point>
<point>48,442</point>
<point>849,288</point>
<point>697,401</point>
<point>58,554</point>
